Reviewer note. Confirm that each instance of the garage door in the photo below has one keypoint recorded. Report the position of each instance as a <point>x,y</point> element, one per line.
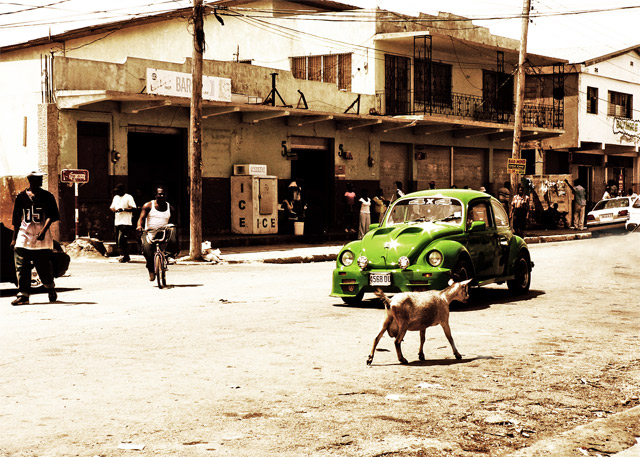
<point>395,165</point>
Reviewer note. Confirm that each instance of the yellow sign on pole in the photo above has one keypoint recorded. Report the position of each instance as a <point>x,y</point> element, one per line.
<point>516,166</point>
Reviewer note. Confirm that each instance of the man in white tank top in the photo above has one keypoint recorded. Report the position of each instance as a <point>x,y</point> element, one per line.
<point>155,215</point>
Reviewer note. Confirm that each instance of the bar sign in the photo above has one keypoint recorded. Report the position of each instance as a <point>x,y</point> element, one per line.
<point>516,166</point>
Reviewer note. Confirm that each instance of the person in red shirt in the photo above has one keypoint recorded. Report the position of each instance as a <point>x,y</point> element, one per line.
<point>349,209</point>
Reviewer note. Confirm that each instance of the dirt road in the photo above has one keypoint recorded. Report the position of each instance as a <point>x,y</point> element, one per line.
<point>258,360</point>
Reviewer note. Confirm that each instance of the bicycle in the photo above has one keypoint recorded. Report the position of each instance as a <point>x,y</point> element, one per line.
<point>158,238</point>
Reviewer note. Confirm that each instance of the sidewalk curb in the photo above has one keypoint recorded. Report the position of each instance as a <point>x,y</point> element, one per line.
<point>553,238</point>
<point>312,254</point>
<point>607,436</point>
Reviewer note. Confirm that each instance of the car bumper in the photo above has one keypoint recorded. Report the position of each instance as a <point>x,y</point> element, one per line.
<point>348,282</point>
<point>595,226</point>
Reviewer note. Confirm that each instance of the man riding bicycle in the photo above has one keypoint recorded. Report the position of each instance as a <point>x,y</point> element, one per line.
<point>156,215</point>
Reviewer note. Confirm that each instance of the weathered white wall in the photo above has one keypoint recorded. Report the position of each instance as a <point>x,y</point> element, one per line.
<point>19,98</point>
<point>612,75</point>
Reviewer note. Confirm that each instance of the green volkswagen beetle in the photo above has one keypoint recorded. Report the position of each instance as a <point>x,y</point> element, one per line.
<point>427,236</point>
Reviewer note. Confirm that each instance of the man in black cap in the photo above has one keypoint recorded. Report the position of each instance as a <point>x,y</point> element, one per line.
<point>34,211</point>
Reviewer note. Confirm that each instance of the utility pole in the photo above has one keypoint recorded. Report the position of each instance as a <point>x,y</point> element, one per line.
<point>517,128</point>
<point>195,133</point>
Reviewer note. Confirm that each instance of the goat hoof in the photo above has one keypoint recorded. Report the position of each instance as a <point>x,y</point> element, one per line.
<point>458,356</point>
<point>369,360</point>
<point>421,357</point>
<point>404,361</point>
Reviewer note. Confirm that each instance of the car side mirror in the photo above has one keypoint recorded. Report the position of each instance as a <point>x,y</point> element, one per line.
<point>477,226</point>
<point>373,226</point>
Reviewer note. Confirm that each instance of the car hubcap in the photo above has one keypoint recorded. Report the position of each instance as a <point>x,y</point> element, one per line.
<point>522,273</point>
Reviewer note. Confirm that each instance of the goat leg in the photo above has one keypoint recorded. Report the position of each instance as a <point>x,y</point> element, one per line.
<point>447,332</point>
<point>383,328</point>
<point>398,342</point>
<point>422,338</point>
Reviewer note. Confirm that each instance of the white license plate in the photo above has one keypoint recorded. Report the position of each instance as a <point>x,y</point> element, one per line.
<point>380,279</point>
<point>606,217</point>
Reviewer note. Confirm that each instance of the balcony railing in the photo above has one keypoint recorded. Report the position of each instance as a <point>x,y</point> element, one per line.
<point>476,108</point>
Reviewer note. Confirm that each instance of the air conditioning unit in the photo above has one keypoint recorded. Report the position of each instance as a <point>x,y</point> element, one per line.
<point>249,169</point>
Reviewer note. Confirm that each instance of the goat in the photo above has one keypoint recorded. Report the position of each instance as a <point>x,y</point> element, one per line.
<point>417,311</point>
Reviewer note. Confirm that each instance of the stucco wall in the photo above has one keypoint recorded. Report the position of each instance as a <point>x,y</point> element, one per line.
<point>20,96</point>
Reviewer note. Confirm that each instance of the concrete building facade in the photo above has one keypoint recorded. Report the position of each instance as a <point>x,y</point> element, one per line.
<point>602,130</point>
<point>320,92</point>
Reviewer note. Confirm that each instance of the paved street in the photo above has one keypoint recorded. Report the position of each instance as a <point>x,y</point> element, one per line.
<point>256,359</point>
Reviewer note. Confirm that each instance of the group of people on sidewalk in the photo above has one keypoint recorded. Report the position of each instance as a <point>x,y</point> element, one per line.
<point>35,210</point>
<point>516,206</point>
<point>378,203</point>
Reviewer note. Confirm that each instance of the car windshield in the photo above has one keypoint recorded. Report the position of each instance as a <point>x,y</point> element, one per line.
<point>612,203</point>
<point>426,209</point>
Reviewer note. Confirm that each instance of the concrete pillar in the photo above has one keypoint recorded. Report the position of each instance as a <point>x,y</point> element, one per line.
<point>539,158</point>
<point>49,152</point>
<point>451,177</point>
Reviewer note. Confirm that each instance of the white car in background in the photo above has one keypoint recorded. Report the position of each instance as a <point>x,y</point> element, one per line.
<point>611,213</point>
<point>634,217</point>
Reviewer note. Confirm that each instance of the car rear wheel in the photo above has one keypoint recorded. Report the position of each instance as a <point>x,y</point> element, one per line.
<point>355,300</point>
<point>521,276</point>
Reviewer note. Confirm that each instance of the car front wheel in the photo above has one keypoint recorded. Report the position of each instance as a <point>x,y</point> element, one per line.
<point>355,300</point>
<point>521,276</point>
<point>462,271</point>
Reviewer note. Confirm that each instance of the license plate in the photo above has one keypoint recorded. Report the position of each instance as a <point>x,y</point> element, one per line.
<point>380,279</point>
<point>606,217</point>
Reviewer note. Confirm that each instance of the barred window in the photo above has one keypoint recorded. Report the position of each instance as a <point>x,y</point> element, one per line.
<point>329,68</point>
<point>299,67</point>
<point>592,100</point>
<point>332,68</point>
<point>315,68</point>
<point>344,72</point>
<point>620,104</point>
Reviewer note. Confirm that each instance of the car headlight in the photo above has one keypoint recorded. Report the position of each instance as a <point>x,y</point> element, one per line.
<point>347,258</point>
<point>363,262</point>
<point>403,262</point>
<point>434,258</point>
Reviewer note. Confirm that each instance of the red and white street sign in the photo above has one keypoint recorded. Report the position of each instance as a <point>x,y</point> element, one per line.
<point>79,176</point>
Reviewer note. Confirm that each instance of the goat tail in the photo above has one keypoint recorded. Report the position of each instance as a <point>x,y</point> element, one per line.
<point>380,294</point>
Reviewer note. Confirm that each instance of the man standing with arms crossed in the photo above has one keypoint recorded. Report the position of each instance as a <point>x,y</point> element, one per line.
<point>123,205</point>
<point>34,211</point>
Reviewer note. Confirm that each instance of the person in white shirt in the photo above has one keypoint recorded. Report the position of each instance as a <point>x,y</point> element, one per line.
<point>399,192</point>
<point>365,214</point>
<point>123,205</point>
<point>155,215</point>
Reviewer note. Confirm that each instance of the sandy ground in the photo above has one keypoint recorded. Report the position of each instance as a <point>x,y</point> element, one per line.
<point>258,360</point>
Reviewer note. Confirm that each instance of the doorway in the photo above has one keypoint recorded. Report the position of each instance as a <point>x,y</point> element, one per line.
<point>94,197</point>
<point>313,170</point>
<point>159,158</point>
<point>585,175</point>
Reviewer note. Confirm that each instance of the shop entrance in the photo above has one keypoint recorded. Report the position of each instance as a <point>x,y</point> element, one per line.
<point>94,196</point>
<point>313,171</point>
<point>159,158</point>
<point>585,175</point>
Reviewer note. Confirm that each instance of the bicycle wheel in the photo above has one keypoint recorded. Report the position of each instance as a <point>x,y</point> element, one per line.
<point>164,270</point>
<point>157,267</point>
